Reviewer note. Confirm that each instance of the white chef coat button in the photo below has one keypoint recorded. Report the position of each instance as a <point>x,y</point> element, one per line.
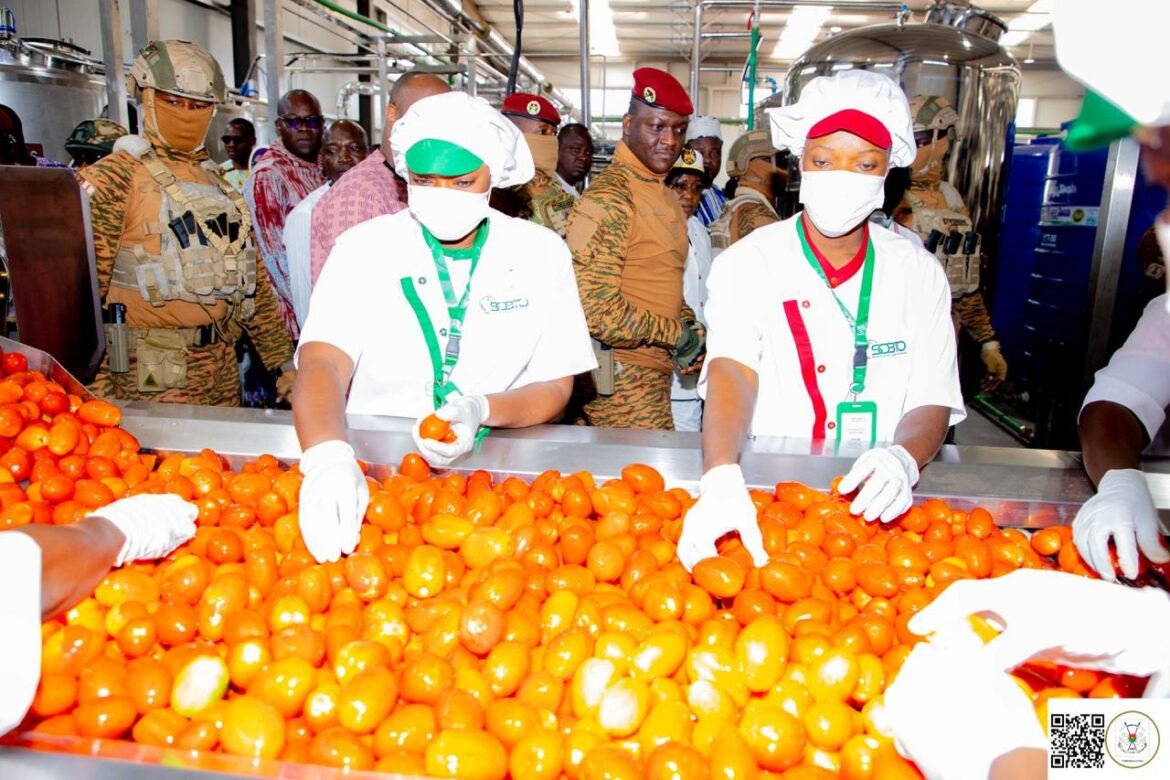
<point>831,426</point>
<point>805,304</point>
<point>820,369</point>
<point>422,280</point>
<point>442,331</point>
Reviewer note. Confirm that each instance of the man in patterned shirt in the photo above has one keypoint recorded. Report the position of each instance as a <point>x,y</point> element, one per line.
<point>280,180</point>
<point>173,245</point>
<point>704,136</point>
<point>371,188</point>
<point>628,237</point>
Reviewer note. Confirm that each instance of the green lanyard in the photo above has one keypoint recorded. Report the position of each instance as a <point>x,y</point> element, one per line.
<point>860,323</point>
<point>442,368</point>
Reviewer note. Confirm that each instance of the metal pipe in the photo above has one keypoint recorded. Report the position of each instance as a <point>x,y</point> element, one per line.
<point>471,76</point>
<point>111,24</point>
<point>697,40</point>
<point>1108,251</point>
<point>143,22</point>
<point>750,67</point>
<point>349,89</point>
<point>697,55</point>
<point>274,49</point>
<point>586,81</point>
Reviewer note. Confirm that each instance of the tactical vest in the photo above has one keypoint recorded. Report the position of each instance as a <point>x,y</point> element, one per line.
<point>205,232</point>
<point>720,229</point>
<point>961,265</point>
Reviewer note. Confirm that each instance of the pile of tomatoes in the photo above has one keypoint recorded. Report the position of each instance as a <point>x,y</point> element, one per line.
<point>485,628</point>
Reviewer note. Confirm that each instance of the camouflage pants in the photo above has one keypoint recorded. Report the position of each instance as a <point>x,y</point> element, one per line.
<point>641,399</point>
<point>213,379</point>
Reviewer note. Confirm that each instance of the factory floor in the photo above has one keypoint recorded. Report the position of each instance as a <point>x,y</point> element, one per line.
<point>978,430</point>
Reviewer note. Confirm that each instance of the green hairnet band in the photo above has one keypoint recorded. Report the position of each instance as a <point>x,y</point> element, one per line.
<point>435,157</point>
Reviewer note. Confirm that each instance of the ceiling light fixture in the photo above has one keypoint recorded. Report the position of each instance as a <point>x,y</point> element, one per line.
<point>802,28</point>
<point>1037,17</point>
<point>602,33</point>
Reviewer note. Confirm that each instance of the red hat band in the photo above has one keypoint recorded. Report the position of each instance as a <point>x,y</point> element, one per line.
<point>853,121</point>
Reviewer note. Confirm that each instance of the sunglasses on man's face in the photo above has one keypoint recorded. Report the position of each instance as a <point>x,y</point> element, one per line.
<point>303,122</point>
<point>231,139</point>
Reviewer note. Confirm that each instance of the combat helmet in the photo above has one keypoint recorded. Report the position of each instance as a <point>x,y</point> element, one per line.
<point>95,137</point>
<point>180,68</point>
<point>932,112</point>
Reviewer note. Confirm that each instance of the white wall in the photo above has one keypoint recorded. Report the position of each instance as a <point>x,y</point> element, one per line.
<point>1054,97</point>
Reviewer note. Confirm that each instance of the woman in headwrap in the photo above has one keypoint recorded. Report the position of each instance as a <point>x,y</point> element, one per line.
<point>448,307</point>
<point>824,326</point>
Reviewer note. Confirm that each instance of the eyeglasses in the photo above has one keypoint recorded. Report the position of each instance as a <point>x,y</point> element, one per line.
<point>231,139</point>
<point>303,122</point>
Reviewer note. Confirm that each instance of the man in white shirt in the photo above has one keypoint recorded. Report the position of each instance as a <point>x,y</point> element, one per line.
<point>478,319</point>
<point>687,178</point>
<point>705,137</point>
<point>345,145</point>
<point>825,327</point>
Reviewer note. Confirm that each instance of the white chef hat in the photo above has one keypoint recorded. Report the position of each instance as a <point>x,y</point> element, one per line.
<point>864,103</point>
<point>703,127</point>
<point>468,122</point>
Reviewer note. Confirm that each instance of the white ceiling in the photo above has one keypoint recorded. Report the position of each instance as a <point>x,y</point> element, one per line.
<point>649,29</point>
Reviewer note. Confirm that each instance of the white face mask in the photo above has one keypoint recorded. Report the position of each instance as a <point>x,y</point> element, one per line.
<point>838,201</point>
<point>1162,233</point>
<point>449,214</point>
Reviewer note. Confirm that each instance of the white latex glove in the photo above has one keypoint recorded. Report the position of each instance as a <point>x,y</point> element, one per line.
<point>993,360</point>
<point>1062,618</point>
<point>333,500</point>
<point>152,524</point>
<point>724,506</point>
<point>976,697</point>
<point>466,413</point>
<point>888,473</point>
<point>1122,511</point>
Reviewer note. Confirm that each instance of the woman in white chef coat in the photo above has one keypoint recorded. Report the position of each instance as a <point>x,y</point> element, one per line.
<point>447,307</point>
<point>45,570</point>
<point>825,326</point>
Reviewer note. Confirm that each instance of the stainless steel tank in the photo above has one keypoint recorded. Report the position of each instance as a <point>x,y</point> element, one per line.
<point>52,86</point>
<point>236,107</point>
<point>953,53</point>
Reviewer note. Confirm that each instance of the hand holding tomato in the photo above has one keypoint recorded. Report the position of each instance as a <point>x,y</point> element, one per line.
<point>464,416</point>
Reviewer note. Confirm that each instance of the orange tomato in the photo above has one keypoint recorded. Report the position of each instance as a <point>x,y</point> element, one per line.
<point>431,427</point>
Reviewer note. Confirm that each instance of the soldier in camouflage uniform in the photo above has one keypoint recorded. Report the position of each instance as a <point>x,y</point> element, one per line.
<point>751,163</point>
<point>174,247</point>
<point>542,199</point>
<point>931,204</point>
<point>92,140</point>
<point>628,237</point>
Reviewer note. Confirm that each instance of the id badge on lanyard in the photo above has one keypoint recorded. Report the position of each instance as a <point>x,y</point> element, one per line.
<point>443,363</point>
<point>856,420</point>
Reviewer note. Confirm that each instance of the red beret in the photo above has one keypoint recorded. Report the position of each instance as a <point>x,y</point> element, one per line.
<point>658,89</point>
<point>853,121</point>
<point>529,106</point>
